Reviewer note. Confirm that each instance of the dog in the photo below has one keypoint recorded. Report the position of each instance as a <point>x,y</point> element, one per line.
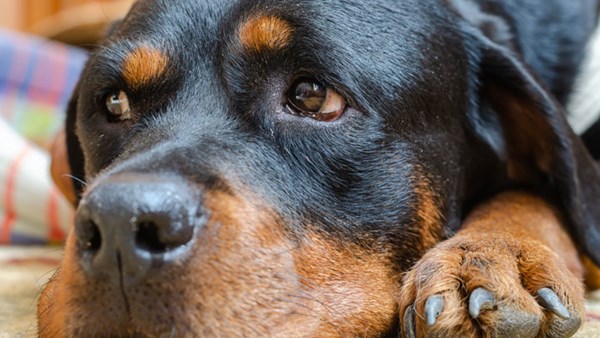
<point>328,168</point>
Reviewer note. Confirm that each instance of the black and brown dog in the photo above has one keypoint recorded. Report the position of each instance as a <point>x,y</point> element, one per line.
<point>321,168</point>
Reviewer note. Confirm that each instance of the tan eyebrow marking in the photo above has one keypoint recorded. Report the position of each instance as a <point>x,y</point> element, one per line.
<point>265,32</point>
<point>143,65</point>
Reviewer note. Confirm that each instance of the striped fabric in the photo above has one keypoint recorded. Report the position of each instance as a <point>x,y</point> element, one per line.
<point>36,80</point>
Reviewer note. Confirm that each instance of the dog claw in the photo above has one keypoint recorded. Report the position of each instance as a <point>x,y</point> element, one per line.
<point>409,322</point>
<point>549,299</point>
<point>480,299</point>
<point>433,308</point>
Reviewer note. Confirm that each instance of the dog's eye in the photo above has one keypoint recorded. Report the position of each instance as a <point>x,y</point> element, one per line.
<point>117,104</point>
<point>308,97</point>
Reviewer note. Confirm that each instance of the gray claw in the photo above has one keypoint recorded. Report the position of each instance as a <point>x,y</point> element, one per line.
<point>480,299</point>
<point>409,322</point>
<point>549,299</point>
<point>433,308</point>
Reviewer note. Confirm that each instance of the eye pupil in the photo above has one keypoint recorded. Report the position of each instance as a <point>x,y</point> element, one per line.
<point>114,106</point>
<point>308,96</point>
<point>117,104</point>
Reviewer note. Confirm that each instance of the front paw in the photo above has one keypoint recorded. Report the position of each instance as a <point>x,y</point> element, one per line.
<point>474,285</point>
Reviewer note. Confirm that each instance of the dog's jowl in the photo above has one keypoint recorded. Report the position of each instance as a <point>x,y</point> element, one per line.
<point>328,168</point>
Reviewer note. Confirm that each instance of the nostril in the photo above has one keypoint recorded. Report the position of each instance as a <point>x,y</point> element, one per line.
<point>158,234</point>
<point>147,238</point>
<point>90,236</point>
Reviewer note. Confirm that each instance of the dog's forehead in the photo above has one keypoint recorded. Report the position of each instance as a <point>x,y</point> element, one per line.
<point>346,36</point>
<point>271,24</point>
<point>380,48</point>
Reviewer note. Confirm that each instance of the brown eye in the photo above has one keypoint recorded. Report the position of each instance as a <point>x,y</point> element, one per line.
<point>308,97</point>
<point>117,104</point>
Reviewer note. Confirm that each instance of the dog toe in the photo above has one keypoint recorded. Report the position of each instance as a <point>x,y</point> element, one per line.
<point>433,308</point>
<point>409,322</point>
<point>457,289</point>
<point>481,300</point>
<point>549,300</point>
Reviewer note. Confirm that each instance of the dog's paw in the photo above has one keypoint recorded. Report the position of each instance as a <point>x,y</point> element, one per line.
<point>472,286</point>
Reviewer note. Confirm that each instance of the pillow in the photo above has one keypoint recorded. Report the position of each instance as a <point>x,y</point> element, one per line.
<point>37,77</point>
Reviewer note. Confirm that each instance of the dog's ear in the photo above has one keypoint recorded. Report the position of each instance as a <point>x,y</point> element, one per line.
<point>67,162</point>
<point>527,130</point>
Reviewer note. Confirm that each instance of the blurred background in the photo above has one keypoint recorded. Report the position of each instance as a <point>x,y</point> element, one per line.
<point>43,47</point>
<point>78,22</point>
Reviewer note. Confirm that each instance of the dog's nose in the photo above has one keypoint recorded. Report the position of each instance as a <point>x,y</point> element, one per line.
<point>131,224</point>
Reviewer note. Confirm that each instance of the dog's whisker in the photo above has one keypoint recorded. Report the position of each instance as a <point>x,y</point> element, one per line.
<point>75,178</point>
<point>53,272</point>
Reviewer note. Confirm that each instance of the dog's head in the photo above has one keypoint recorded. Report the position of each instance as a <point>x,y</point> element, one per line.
<point>272,167</point>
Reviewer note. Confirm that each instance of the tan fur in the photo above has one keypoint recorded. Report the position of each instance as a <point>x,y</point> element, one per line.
<point>514,239</point>
<point>592,273</point>
<point>429,217</point>
<point>54,308</point>
<point>245,276</point>
<point>353,285</point>
<point>265,33</point>
<point>529,148</point>
<point>144,65</point>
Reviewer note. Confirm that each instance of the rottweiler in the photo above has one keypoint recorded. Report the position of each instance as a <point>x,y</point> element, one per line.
<point>328,168</point>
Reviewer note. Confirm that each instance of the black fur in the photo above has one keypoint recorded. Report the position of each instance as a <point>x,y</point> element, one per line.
<point>591,137</point>
<point>450,100</point>
<point>411,71</point>
<point>420,78</point>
